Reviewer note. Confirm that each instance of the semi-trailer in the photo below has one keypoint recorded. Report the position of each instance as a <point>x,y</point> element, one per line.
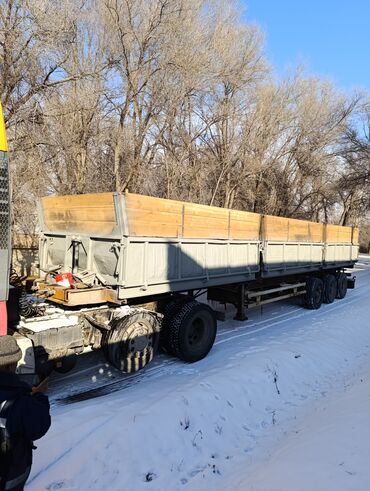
<point>124,272</point>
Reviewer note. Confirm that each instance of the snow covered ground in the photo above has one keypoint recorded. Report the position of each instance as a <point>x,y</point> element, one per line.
<point>280,403</point>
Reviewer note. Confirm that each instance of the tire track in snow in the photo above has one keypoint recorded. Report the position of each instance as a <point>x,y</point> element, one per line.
<point>160,368</point>
<point>94,430</point>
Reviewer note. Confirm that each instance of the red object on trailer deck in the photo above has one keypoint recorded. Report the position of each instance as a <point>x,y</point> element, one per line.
<point>3,319</point>
<point>64,279</point>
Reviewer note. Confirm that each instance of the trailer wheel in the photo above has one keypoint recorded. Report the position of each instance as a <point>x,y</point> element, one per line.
<point>330,288</point>
<point>314,293</point>
<point>170,309</point>
<point>341,285</point>
<point>192,331</point>
<point>132,341</point>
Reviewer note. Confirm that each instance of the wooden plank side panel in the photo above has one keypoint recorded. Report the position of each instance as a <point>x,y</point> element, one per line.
<point>91,214</point>
<point>205,222</point>
<point>245,225</point>
<point>153,217</point>
<point>338,234</point>
<point>355,236</point>
<point>157,217</point>
<point>299,231</point>
<point>317,232</point>
<point>94,214</point>
<point>275,228</point>
<point>292,230</point>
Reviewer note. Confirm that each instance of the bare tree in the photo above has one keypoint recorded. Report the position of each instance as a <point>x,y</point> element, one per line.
<point>354,181</point>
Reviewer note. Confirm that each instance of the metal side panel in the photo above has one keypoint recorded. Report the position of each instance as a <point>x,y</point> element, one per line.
<point>291,257</point>
<point>101,256</point>
<point>154,265</point>
<point>355,249</point>
<point>340,253</point>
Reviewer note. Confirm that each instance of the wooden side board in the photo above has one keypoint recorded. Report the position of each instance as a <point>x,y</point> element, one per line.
<point>92,214</point>
<point>245,225</point>
<point>291,230</point>
<point>355,236</point>
<point>157,217</point>
<point>153,217</point>
<point>201,222</point>
<point>339,235</point>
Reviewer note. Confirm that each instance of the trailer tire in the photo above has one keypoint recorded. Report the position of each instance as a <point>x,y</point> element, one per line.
<point>132,341</point>
<point>330,288</point>
<point>341,285</point>
<point>169,311</point>
<point>192,331</point>
<point>314,293</point>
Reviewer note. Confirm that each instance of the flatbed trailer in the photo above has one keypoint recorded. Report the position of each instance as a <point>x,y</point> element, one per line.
<point>123,272</point>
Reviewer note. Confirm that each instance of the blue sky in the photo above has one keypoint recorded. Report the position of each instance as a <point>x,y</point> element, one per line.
<point>330,38</point>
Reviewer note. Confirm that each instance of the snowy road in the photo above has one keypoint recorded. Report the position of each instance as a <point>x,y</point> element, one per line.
<point>208,425</point>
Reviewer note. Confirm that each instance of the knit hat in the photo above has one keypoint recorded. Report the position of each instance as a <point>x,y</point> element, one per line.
<point>10,353</point>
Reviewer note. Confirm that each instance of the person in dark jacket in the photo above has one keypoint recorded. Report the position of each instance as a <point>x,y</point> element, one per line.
<point>24,417</point>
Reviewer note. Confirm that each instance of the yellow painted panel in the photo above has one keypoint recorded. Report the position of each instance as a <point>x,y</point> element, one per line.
<point>3,141</point>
